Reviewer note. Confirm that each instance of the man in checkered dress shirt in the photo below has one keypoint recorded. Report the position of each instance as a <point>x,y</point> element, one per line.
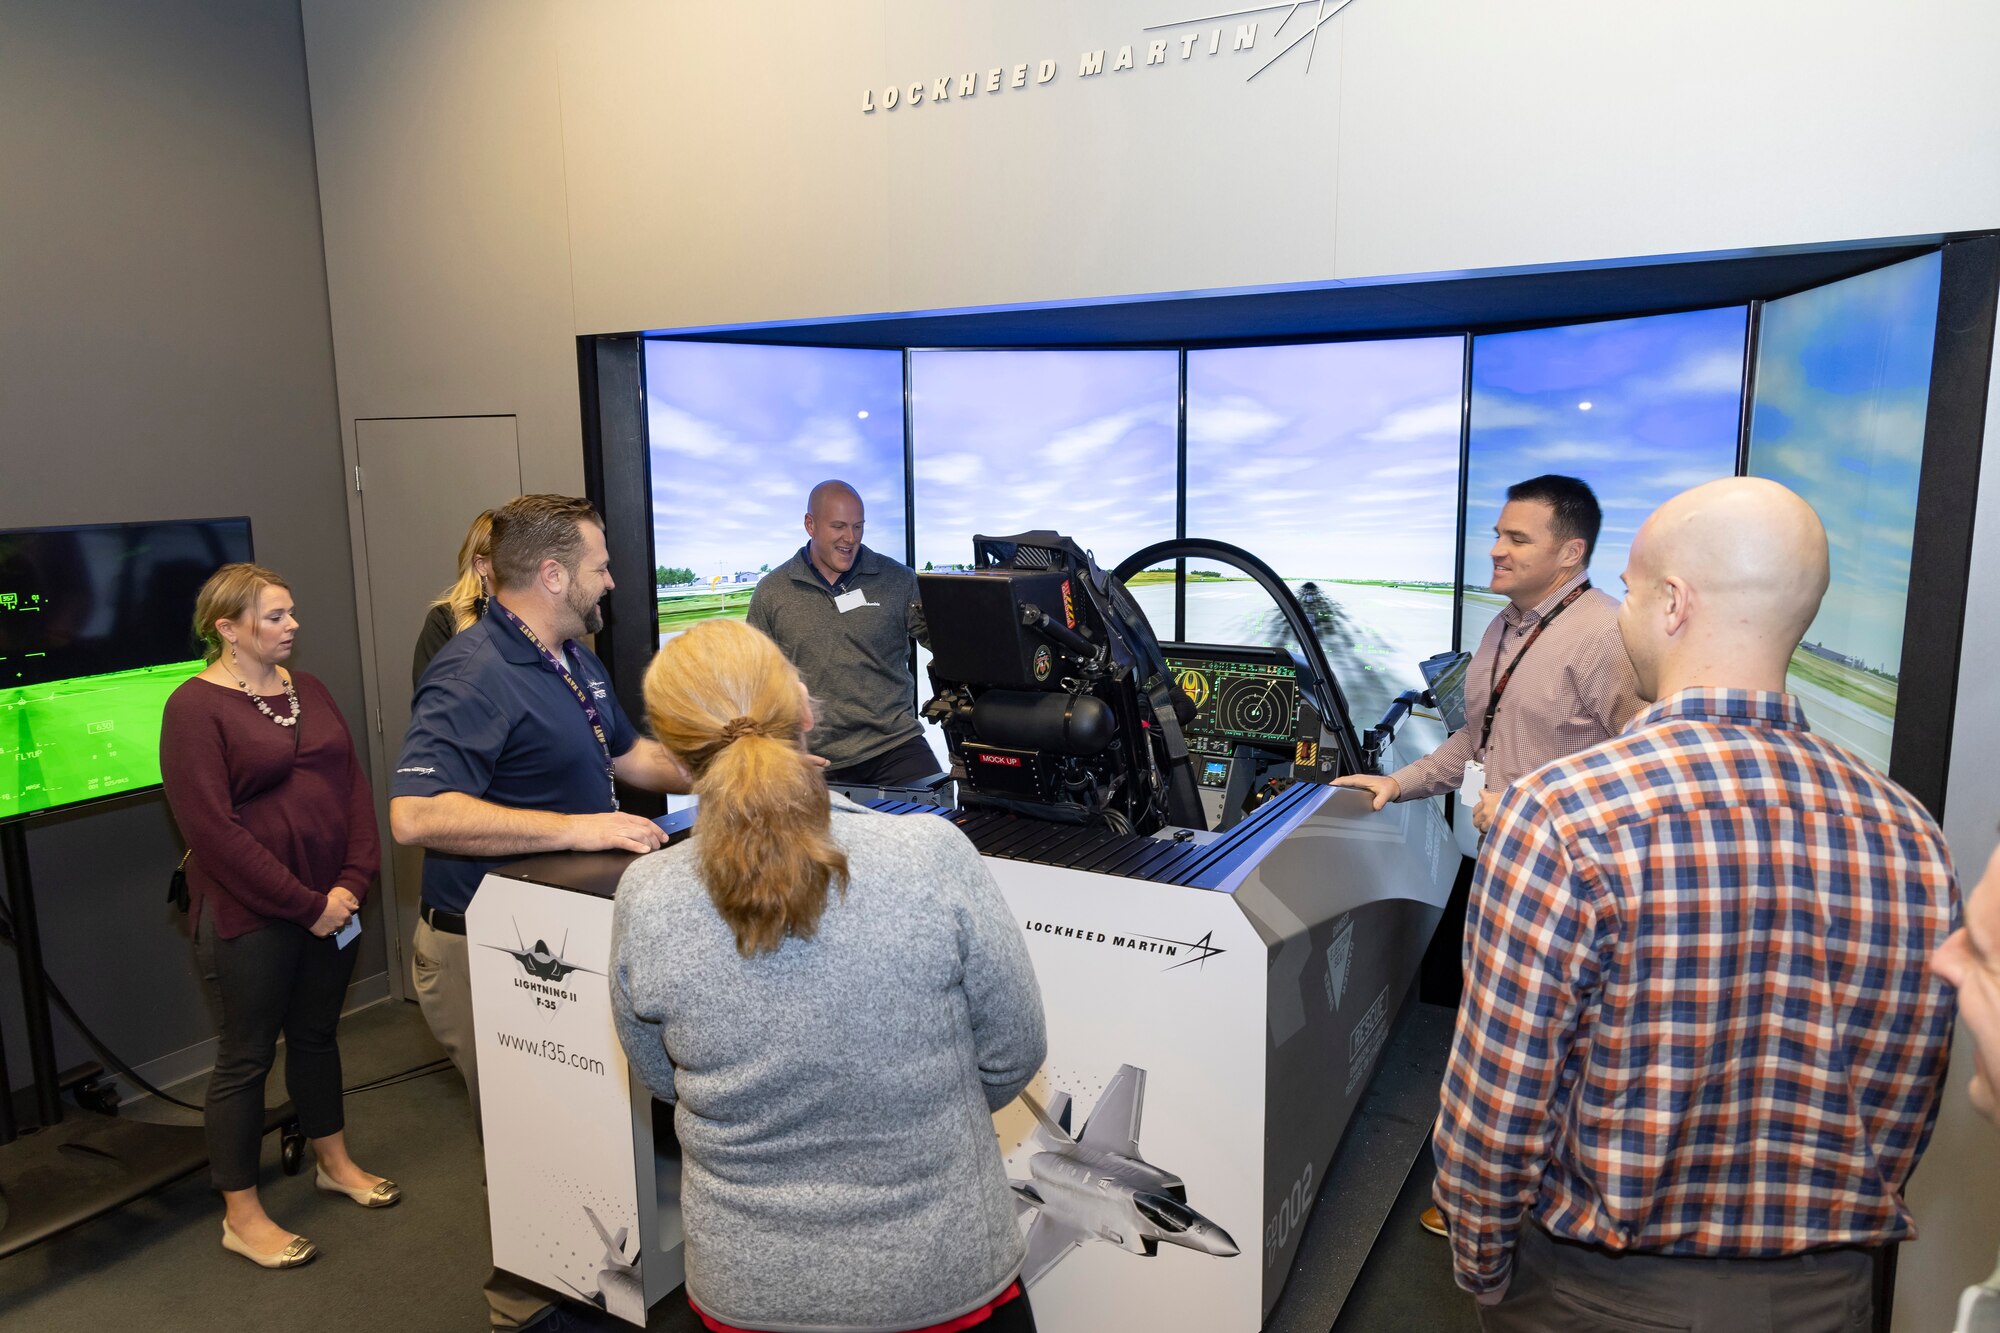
<point>1699,1052</point>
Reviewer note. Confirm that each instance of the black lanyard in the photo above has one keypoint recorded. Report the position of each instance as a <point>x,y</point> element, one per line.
<point>561,668</point>
<point>1498,686</point>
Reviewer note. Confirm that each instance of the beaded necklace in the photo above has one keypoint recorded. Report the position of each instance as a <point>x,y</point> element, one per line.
<point>264,708</point>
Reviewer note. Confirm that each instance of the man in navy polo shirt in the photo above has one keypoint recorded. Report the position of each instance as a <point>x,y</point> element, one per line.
<point>845,616</point>
<point>515,740</point>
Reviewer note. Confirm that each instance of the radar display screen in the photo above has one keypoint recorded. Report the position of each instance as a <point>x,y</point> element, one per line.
<point>1236,701</point>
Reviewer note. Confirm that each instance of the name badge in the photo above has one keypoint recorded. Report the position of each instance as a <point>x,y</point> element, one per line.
<point>847,601</point>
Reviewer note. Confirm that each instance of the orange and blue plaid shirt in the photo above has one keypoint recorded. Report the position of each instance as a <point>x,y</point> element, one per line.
<point>1697,1018</point>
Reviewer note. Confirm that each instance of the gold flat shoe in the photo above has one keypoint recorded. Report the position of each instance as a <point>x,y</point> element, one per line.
<point>298,1251</point>
<point>381,1194</point>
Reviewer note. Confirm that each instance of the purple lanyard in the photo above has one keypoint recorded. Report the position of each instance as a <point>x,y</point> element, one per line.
<point>556,664</point>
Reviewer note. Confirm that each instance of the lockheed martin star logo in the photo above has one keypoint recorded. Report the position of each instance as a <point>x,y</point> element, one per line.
<point>1202,950</point>
<point>1324,12</point>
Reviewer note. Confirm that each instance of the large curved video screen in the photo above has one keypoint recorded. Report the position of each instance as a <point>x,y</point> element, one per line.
<point>1837,414</point>
<point>739,434</point>
<point>1337,464</point>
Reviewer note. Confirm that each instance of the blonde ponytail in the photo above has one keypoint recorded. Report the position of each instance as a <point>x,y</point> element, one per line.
<point>467,595</point>
<point>724,700</point>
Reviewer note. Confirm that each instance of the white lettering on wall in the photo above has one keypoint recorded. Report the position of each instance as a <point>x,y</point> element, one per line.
<point>1089,63</point>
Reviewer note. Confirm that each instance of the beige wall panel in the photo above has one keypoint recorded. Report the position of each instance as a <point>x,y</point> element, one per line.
<point>1480,135</point>
<point>721,168</point>
<point>439,136</point>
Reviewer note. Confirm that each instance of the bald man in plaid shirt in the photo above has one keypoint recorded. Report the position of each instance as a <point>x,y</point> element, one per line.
<point>1699,1052</point>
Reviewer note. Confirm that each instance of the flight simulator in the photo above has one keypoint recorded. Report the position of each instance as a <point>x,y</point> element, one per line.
<point>1203,908</point>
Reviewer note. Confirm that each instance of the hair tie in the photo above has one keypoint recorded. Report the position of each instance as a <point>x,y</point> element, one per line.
<point>740,727</point>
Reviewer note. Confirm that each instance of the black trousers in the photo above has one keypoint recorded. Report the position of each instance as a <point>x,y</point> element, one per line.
<point>908,764</point>
<point>1561,1287</point>
<point>280,978</point>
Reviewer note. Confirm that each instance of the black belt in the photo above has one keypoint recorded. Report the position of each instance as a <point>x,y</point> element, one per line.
<point>451,923</point>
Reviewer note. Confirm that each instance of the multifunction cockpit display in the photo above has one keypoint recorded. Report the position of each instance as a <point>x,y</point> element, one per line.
<point>1240,697</point>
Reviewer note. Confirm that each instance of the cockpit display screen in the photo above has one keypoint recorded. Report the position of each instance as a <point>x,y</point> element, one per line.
<point>1236,701</point>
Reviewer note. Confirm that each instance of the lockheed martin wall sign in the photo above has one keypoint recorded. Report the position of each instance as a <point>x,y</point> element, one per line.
<point>1231,33</point>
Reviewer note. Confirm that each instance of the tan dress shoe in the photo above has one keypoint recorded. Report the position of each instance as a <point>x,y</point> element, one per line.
<point>379,1195</point>
<point>298,1251</point>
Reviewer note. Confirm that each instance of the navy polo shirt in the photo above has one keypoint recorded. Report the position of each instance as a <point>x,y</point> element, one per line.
<point>494,720</point>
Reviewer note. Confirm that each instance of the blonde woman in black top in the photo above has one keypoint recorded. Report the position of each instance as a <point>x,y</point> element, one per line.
<point>460,605</point>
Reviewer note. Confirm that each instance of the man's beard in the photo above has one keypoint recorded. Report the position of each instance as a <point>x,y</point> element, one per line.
<point>590,615</point>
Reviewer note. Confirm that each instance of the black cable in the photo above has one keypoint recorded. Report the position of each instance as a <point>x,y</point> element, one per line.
<point>118,1066</point>
<point>103,1052</point>
<point>437,1066</point>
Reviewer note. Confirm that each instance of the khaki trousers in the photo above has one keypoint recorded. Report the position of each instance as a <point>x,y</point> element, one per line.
<point>441,968</point>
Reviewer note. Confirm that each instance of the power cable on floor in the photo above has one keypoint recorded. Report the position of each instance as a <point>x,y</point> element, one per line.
<point>120,1067</point>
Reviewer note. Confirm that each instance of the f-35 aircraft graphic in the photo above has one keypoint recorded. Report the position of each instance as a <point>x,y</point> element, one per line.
<point>1096,1186</point>
<point>620,1292</point>
<point>540,962</point>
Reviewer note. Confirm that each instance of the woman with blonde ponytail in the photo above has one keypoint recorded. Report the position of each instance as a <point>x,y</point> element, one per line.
<point>458,607</point>
<point>835,1000</point>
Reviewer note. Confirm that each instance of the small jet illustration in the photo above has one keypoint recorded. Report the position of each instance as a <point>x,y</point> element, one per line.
<point>1096,1186</point>
<point>620,1292</point>
<point>540,962</point>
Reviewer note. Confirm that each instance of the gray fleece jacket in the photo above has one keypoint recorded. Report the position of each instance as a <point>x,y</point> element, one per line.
<point>856,661</point>
<point>834,1099</point>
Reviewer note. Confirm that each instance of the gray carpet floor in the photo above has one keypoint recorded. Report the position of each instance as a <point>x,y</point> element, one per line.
<point>158,1263</point>
<point>1406,1284</point>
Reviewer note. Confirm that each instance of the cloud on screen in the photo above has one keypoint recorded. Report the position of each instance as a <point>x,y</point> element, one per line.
<point>1843,376</point>
<point>1647,434</point>
<point>1080,442</point>
<point>741,433</point>
<point>1329,460</point>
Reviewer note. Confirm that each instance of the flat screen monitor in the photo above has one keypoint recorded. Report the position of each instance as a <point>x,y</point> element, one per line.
<point>95,633</point>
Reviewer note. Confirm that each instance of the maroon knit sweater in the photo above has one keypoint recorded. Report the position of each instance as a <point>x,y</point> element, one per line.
<point>271,832</point>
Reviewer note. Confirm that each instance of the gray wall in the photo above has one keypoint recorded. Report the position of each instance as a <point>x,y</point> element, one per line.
<point>164,352</point>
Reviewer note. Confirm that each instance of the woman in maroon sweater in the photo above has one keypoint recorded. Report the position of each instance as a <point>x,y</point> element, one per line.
<point>265,785</point>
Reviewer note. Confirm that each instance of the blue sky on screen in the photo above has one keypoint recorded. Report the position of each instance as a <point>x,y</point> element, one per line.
<point>740,434</point>
<point>1843,375</point>
<point>1082,442</point>
<point>1329,460</point>
<point>1665,396</point>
